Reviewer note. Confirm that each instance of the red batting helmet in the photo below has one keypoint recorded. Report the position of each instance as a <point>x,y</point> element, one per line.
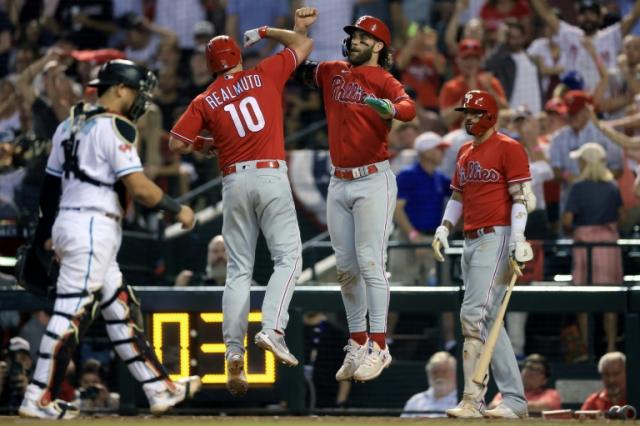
<point>223,53</point>
<point>372,26</point>
<point>479,100</point>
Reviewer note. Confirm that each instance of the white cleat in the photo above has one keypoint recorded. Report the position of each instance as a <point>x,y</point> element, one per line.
<point>273,342</point>
<point>353,360</point>
<point>466,410</point>
<point>185,388</point>
<point>54,410</point>
<point>237,383</point>
<point>374,362</point>
<point>502,412</point>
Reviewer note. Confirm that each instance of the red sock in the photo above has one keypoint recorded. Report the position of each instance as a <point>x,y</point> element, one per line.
<point>380,339</point>
<point>359,337</point>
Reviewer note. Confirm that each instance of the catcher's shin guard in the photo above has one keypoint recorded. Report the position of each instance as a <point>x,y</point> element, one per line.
<point>61,338</point>
<point>123,319</point>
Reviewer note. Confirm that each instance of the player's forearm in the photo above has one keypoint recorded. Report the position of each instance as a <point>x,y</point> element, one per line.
<point>405,110</point>
<point>300,43</point>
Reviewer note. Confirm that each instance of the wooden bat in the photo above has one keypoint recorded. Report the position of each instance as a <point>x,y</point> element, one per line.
<point>482,367</point>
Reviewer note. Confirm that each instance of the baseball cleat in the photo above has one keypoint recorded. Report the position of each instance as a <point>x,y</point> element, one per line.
<point>273,342</point>
<point>184,388</point>
<point>374,362</point>
<point>54,410</point>
<point>466,410</point>
<point>353,360</point>
<point>237,383</point>
<point>502,412</point>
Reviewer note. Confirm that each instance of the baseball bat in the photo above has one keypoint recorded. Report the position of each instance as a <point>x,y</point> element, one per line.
<point>480,375</point>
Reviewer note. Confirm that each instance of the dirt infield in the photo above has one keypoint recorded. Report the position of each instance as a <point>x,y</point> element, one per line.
<point>290,421</point>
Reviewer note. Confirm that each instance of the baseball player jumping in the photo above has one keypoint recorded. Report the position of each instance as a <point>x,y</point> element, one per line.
<point>361,98</point>
<point>492,192</point>
<point>93,162</point>
<point>242,109</point>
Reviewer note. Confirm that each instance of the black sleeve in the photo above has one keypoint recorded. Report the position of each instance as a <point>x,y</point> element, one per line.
<point>304,74</point>
<point>49,200</point>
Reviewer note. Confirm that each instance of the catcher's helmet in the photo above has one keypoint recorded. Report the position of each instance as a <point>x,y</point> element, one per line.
<point>479,100</point>
<point>122,71</point>
<point>223,53</point>
<point>372,26</point>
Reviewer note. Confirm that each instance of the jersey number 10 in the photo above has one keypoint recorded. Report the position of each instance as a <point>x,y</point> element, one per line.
<point>247,117</point>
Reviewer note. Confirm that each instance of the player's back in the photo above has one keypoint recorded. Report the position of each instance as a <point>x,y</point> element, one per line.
<point>243,111</point>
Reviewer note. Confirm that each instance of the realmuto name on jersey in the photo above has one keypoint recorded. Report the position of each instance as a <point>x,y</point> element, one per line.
<point>347,92</point>
<point>474,172</point>
<point>225,93</point>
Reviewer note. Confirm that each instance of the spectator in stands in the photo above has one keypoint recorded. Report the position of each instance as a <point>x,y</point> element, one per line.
<point>143,39</point>
<point>593,210</point>
<point>535,376</point>
<point>578,131</point>
<point>216,269</point>
<point>471,77</point>
<point>92,393</point>
<point>422,66</point>
<point>243,15</point>
<point>496,12</point>
<point>607,41</point>
<point>441,394</point>
<point>516,71</point>
<point>549,58</point>
<point>203,31</point>
<point>11,177</point>
<point>612,369</point>
<point>18,373</point>
<point>422,191</point>
<point>473,28</point>
<point>181,20</point>
<point>624,79</point>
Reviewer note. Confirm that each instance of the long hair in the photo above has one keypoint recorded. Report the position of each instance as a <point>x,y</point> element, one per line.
<point>385,58</point>
<point>595,171</point>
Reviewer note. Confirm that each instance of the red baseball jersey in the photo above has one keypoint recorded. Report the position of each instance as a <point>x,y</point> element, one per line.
<point>357,134</point>
<point>483,174</point>
<point>242,111</point>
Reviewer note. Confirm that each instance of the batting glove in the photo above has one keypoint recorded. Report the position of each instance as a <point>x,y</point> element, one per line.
<point>253,36</point>
<point>440,239</point>
<point>384,107</point>
<point>519,255</point>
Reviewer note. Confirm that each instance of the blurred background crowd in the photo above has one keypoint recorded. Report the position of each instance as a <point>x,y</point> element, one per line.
<point>566,74</point>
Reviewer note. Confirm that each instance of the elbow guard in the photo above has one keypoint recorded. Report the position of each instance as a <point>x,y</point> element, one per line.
<point>305,74</point>
<point>524,193</point>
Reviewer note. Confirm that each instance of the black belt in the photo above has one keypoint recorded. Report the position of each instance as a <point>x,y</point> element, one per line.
<point>91,209</point>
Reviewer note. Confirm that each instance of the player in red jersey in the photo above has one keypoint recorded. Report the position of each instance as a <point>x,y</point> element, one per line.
<point>491,190</point>
<point>361,98</point>
<point>242,110</point>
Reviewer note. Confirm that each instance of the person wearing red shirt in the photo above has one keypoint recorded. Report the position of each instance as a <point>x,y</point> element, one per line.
<point>494,12</point>
<point>242,110</point>
<point>612,368</point>
<point>361,98</point>
<point>468,60</point>
<point>535,374</point>
<point>492,192</point>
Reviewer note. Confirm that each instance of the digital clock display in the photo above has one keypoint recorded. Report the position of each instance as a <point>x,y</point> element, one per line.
<point>190,343</point>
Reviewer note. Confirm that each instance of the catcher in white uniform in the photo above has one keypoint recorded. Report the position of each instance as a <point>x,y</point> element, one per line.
<point>92,163</point>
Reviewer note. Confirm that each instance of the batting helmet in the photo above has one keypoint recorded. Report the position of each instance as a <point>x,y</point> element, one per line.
<point>223,54</point>
<point>372,26</point>
<point>122,71</point>
<point>479,100</point>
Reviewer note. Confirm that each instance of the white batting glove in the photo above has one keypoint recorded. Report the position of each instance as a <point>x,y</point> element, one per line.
<point>253,36</point>
<point>440,239</point>
<point>519,255</point>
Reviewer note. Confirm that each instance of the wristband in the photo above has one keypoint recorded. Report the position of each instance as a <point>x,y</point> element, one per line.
<point>452,212</point>
<point>168,204</point>
<point>262,31</point>
<point>518,221</point>
<point>413,234</point>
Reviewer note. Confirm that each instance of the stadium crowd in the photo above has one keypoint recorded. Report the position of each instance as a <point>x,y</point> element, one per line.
<point>567,79</point>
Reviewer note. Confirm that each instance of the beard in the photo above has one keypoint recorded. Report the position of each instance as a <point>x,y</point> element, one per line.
<point>217,272</point>
<point>359,58</point>
<point>441,387</point>
<point>468,124</point>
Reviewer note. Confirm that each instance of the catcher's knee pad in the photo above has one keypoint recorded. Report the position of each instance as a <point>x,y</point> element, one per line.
<point>64,343</point>
<point>123,319</point>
